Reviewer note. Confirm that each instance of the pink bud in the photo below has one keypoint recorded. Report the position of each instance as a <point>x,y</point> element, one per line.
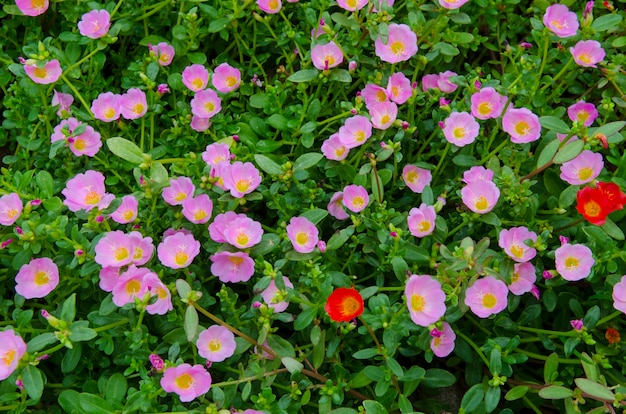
<point>443,101</point>
<point>5,243</point>
<point>478,85</point>
<point>535,292</point>
<point>441,124</point>
<point>78,252</point>
<point>19,231</point>
<point>322,246</point>
<point>35,202</point>
<point>19,384</point>
<point>547,274</point>
<point>157,362</point>
<point>393,234</point>
<point>99,219</point>
<point>236,138</point>
<point>352,66</point>
<point>526,45</point>
<point>414,85</point>
<point>45,313</point>
<point>563,240</point>
<point>162,89</point>
<point>322,23</point>
<point>353,111</point>
<point>405,125</point>
<point>436,333</point>
<point>256,304</point>
<point>577,324</point>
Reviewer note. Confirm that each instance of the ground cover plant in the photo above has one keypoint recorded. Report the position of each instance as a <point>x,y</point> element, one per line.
<point>312,206</point>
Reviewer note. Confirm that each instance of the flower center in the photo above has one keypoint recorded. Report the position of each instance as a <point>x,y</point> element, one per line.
<point>437,341</point>
<point>236,260</point>
<point>209,106</point>
<point>458,132</point>
<point>340,151</point>
<point>584,57</point>
<point>517,251</point>
<point>184,381</point>
<point>41,278</point>
<point>349,306</point>
<point>489,300</point>
<point>40,73</point>
<point>273,5</point>
<point>121,253</point>
<point>181,258</point>
<point>138,108</point>
<point>79,144</point>
<point>11,213</point>
<point>357,202</point>
<point>302,238</point>
<point>485,108</point>
<point>38,4</point>
<point>515,277</point>
<point>592,209</point>
<point>351,4</point>
<point>215,345</point>
<point>585,173</point>
<point>133,287</point>
<point>558,24</point>
<point>582,116</point>
<point>138,253</point>
<point>418,303</point>
<point>522,128</point>
<point>571,263</point>
<point>8,357</point>
<point>128,214</point>
<point>395,91</point>
<point>230,81</point>
<point>109,113</point>
<point>384,119</point>
<point>199,215</point>
<point>412,177</point>
<point>481,203</point>
<point>164,58</point>
<point>92,198</point>
<point>197,83</point>
<point>423,226</point>
<point>242,239</point>
<point>161,293</point>
<point>180,196</point>
<point>381,96</point>
<point>359,136</point>
<point>243,185</point>
<point>397,47</point>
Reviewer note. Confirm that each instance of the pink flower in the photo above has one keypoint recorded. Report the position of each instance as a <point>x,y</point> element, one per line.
<point>198,209</point>
<point>573,261</point>
<point>425,299</point>
<point>444,84</point>
<point>421,220</point>
<point>221,221</point>
<point>416,178</point>
<point>326,56</point>
<point>522,125</point>
<point>373,94</point>
<point>333,149</point>
<point>133,103</point>
<point>114,250</point>
<point>587,53</point>
<point>241,179</point>
<point>480,196</point>
<point>127,211</point>
<point>199,124</point>
<point>44,74</point>
<point>86,143</point>
<point>352,5</point>
<point>383,114</point>
<point>560,21</point>
<point>461,129</point>
<point>452,4</point>
<point>335,206</point>
<point>513,243</point>
<point>487,296</point>
<point>142,248</point>
<point>401,44</point>
<point>232,267</point>
<point>107,107</point>
<point>12,349</point>
<point>583,169</point>
<point>226,78</point>
<point>178,251</point>
<point>216,343</point>
<point>206,103</point>
<point>178,191</point>
<point>619,297</point>
<point>216,153</point>
<point>355,131</point>
<point>64,100</point>
<point>355,198</point>
<point>163,303</point>
<point>10,208</point>
<point>186,381</point>
<point>195,77</point>
<point>109,277</point>
<point>37,278</point>
<point>274,297</point>
<point>95,24</point>
<point>86,191</point>
<point>32,8</point>
<point>243,232</point>
<point>399,88</point>
<point>130,285</point>
<point>430,81</point>
<point>270,6</point>
<point>583,112</point>
<point>164,53</point>
<point>477,173</point>
<point>442,343</point>
<point>523,279</point>
<point>302,234</point>
<point>487,103</point>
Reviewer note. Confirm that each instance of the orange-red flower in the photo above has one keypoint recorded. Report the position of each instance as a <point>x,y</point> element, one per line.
<point>595,204</point>
<point>612,336</point>
<point>344,304</point>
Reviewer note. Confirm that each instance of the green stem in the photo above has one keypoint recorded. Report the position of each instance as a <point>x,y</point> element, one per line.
<point>442,159</point>
<point>83,60</point>
<point>112,325</point>
<point>473,345</point>
<point>78,95</point>
<point>558,75</point>
<point>457,228</point>
<point>117,6</point>
<point>546,44</point>
<point>531,405</point>
<point>173,160</point>
<point>540,357</point>
<point>572,333</point>
<point>608,318</point>
<point>503,144</point>
<point>50,350</point>
<point>249,379</point>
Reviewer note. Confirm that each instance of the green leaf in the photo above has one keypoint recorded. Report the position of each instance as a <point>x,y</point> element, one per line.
<point>304,75</point>
<point>597,391</point>
<point>158,173</point>
<point>343,411</point>
<point>79,332</point>
<point>305,318</point>
<point>33,381</point>
<point>473,397</point>
<point>548,152</point>
<point>69,401</point>
<point>267,164</point>
<point>315,215</point>
<point>116,388</point>
<point>554,124</point>
<point>183,288</point>
<point>609,129</point>
<point>41,341</point>
<point>460,18</point>
<point>269,241</point>
<point>395,367</point>
<point>569,151</point>
<point>94,404</point>
<point>125,149</point>
<point>492,398</point>
<point>366,353</point>
<point>45,182</point>
<point>612,230</point>
<point>266,146</point>
<point>555,392</point>
<point>437,378</point>
<point>292,365</point>
<point>258,100</point>
<point>464,160</point>
<point>279,122</point>
<point>281,346</point>
<point>306,161</point>
<point>400,267</point>
<point>495,361</point>
<point>191,323</point>
<point>377,186</point>
<point>218,25</point>
<point>374,407</point>
<point>68,310</point>
<point>516,393</point>
<point>550,369</point>
<point>606,22</point>
<point>340,75</point>
<point>71,359</point>
<point>339,238</point>
<point>568,196</point>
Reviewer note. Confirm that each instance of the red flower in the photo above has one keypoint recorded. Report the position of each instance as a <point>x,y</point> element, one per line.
<point>612,336</point>
<point>595,204</point>
<point>344,304</point>
<point>613,194</point>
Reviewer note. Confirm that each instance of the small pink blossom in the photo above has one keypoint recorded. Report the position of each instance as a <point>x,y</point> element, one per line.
<point>399,88</point>
<point>32,8</point>
<point>162,89</point>
<point>352,5</point>
<point>64,101</point>
<point>523,278</point>
<point>114,250</point>
<point>355,198</point>
<point>274,298</point>
<point>452,4</point>
<point>86,191</point>
<point>95,24</point>
<point>416,178</point>
<point>587,53</point>
<point>430,81</point>
<point>302,234</point>
<point>130,285</point>
<point>425,299</point>
<point>142,248</point>
<point>355,131</point>
<point>107,107</point>
<point>583,169</point>
<point>444,84</point>
<point>216,343</point>
<point>164,53</point>
<point>270,6</point>
<point>45,74</point>
<point>133,103</point>
<point>127,211</point>
<point>522,125</point>
<point>198,209</point>
<point>221,221</point>
<point>373,94</point>
<point>11,207</point>
<point>442,343</point>
<point>383,114</point>
<point>573,261</point>
<point>37,278</point>
<point>513,243</point>
<point>186,381</point>
<point>195,77</point>
<point>480,196</point>
<point>583,112</point>
<point>199,124</point>
<point>619,296</point>
<point>487,296</point>
<point>226,78</point>
<point>157,362</point>
<point>179,190</point>
<point>421,220</point>
<point>335,206</point>
<point>178,251</point>
<point>326,56</point>
<point>232,267</point>
<point>477,173</point>
<point>86,143</point>
<point>241,179</point>
<point>243,232</point>
<point>487,103</point>
<point>460,129</point>
<point>216,153</point>
<point>163,302</point>
<point>206,103</point>
<point>12,349</point>
<point>560,21</point>
<point>333,149</point>
<point>401,44</point>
